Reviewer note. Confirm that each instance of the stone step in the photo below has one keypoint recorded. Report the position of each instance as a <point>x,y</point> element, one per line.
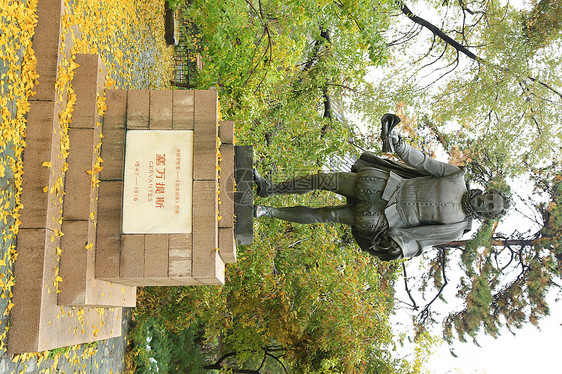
<point>77,265</point>
<point>38,323</point>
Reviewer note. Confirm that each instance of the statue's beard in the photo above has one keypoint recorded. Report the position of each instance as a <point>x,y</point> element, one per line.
<point>466,206</point>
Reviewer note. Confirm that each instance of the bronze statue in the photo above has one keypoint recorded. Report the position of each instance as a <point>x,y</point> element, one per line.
<point>395,209</point>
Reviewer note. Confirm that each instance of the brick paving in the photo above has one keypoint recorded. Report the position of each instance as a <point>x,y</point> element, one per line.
<point>107,357</point>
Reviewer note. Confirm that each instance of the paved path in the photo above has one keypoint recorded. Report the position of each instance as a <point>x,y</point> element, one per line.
<point>103,357</point>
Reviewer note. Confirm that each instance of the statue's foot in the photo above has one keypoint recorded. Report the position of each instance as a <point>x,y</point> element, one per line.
<point>260,211</point>
<point>264,187</point>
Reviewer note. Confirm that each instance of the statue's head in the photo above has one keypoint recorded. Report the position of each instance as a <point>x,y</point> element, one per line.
<point>491,204</point>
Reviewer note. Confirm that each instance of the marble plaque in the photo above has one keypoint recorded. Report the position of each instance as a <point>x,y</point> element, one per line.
<point>158,182</point>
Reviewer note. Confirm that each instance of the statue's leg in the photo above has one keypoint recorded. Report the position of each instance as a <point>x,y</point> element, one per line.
<point>342,183</point>
<point>303,214</point>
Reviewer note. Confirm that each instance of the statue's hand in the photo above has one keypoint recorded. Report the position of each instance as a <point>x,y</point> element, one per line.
<point>385,247</point>
<point>396,140</point>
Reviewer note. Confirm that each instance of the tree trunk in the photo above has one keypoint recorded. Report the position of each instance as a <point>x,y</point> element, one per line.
<point>497,242</point>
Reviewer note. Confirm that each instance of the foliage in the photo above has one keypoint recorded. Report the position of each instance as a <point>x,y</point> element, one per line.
<point>543,22</point>
<point>315,300</point>
<point>503,92</point>
<point>276,63</point>
<point>317,305</point>
<point>156,349</point>
<point>425,345</point>
<point>320,306</point>
<point>155,357</point>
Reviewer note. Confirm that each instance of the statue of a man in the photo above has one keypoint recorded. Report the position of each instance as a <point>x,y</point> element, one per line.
<point>395,210</point>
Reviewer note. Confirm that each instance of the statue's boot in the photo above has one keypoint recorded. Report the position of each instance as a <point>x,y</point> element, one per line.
<point>306,215</point>
<point>388,122</point>
<point>264,186</point>
<point>342,183</point>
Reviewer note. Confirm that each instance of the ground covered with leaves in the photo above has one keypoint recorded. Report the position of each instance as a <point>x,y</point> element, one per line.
<point>129,36</point>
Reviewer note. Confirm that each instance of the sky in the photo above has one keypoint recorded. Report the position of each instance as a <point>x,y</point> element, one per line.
<point>530,350</point>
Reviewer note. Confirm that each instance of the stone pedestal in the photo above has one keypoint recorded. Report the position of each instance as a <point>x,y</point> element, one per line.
<point>78,261</point>
<point>172,174</point>
<point>78,264</point>
<point>55,290</point>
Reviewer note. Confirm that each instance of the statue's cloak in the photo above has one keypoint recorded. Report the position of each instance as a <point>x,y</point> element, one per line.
<point>369,159</point>
<point>411,240</point>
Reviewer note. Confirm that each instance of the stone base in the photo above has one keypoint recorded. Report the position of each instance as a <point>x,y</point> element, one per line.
<point>153,258</point>
<point>51,268</point>
<point>80,208</point>
<point>38,323</point>
<point>243,197</point>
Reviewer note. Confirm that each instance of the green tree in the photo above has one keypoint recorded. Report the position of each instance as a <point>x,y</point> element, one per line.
<point>508,277</point>
<point>488,88</point>
<point>295,300</point>
<point>320,303</point>
<point>298,301</point>
<point>279,66</point>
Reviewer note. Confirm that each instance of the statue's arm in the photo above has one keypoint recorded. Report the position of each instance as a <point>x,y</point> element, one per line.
<point>415,240</point>
<point>419,160</point>
<point>384,248</point>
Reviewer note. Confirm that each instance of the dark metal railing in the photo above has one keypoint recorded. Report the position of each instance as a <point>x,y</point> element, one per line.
<point>186,55</point>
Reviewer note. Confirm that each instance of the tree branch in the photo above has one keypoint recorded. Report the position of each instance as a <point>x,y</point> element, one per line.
<point>269,46</point>
<point>438,32</point>
<point>464,50</point>
<point>545,86</point>
<point>218,364</point>
<point>325,34</point>
<point>414,305</point>
<point>424,314</point>
<point>266,353</point>
<point>278,360</point>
